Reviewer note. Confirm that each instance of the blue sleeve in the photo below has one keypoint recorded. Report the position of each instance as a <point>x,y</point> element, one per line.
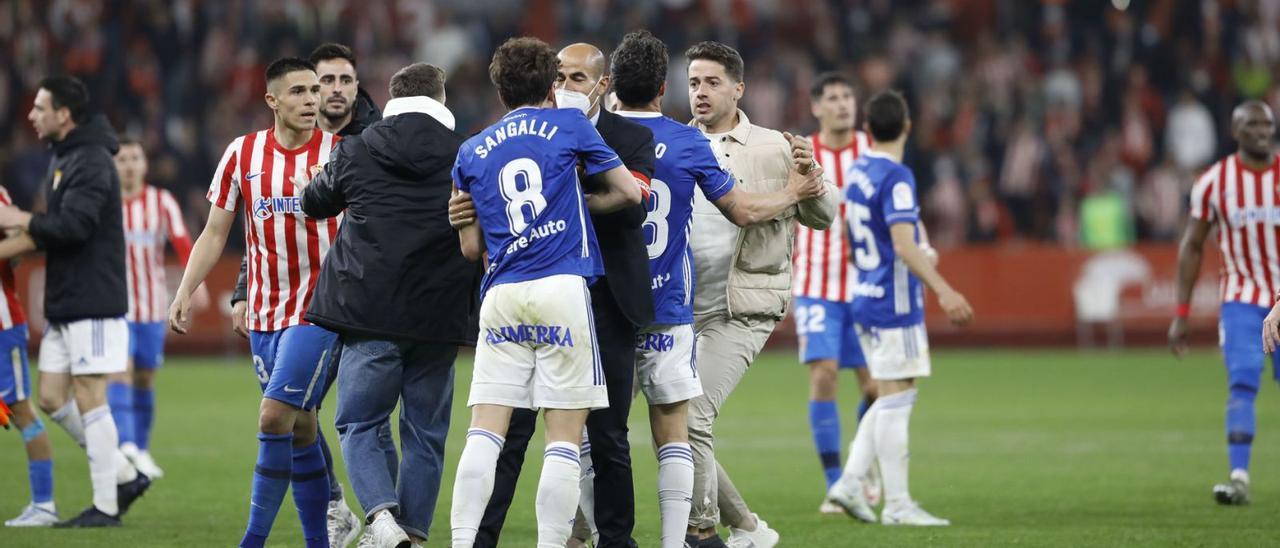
<point>596,156</point>
<point>460,180</point>
<point>713,179</point>
<point>898,199</point>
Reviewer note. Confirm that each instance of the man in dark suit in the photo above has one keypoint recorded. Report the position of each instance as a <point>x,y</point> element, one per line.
<point>621,302</point>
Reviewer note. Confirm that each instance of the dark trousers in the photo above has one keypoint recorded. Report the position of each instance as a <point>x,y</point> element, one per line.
<point>607,428</point>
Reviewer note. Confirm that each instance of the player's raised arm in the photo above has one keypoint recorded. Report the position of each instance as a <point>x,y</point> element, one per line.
<point>620,190</point>
<point>204,255</point>
<point>744,208</point>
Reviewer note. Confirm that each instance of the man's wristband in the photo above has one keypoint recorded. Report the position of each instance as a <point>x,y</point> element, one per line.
<point>1183,310</point>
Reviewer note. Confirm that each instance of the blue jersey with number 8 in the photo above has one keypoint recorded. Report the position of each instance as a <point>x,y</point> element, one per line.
<point>880,194</point>
<point>684,161</point>
<point>522,174</point>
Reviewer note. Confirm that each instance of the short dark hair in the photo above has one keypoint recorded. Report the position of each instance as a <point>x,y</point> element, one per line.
<point>523,69</point>
<point>639,66</point>
<point>886,116</point>
<point>720,53</point>
<point>129,140</point>
<point>418,79</point>
<point>331,50</point>
<point>284,65</point>
<point>68,92</point>
<point>821,81</point>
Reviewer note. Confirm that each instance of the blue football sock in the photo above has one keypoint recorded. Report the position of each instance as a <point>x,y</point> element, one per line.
<point>311,493</point>
<point>120,399</point>
<point>864,406</point>
<point>824,420</point>
<point>335,488</point>
<point>270,482</point>
<point>144,406</point>
<point>40,472</point>
<point>1240,424</point>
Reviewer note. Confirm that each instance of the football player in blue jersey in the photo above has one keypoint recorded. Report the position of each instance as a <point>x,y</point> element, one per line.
<point>883,218</point>
<point>536,348</point>
<point>666,367</point>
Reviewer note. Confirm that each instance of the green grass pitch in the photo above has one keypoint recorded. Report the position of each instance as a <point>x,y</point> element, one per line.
<point>1029,448</point>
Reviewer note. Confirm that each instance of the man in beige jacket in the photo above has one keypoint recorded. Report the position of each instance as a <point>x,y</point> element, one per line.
<point>743,277</point>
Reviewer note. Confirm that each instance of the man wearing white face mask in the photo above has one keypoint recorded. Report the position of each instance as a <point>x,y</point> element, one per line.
<point>621,301</point>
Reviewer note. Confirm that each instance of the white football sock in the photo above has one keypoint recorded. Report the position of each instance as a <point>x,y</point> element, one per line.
<point>100,443</point>
<point>557,501</point>
<point>587,487</point>
<point>473,485</point>
<point>68,417</point>
<point>891,444</point>
<point>862,450</point>
<point>675,491</point>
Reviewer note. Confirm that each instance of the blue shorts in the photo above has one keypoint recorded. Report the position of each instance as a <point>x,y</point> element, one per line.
<point>146,344</point>
<point>826,332</point>
<point>15,383</point>
<point>291,363</point>
<point>1240,336</point>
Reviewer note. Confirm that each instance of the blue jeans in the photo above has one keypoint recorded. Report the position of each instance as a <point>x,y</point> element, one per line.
<point>373,375</point>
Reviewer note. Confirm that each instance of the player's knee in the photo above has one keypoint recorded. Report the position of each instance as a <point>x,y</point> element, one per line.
<point>50,403</point>
<point>273,420</point>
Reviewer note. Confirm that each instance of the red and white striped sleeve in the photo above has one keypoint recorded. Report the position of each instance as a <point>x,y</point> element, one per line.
<point>224,190</point>
<point>176,225</point>
<point>1202,195</point>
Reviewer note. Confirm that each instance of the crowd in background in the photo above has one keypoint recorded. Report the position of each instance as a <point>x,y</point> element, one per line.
<point>1052,120</point>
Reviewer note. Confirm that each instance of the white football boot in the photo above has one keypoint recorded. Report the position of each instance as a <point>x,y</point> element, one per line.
<point>344,525</point>
<point>147,465</point>
<point>35,515</point>
<point>910,513</point>
<point>851,498</point>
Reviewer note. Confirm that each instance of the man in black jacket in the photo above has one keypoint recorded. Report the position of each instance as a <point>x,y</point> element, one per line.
<point>346,109</point>
<point>397,289</point>
<point>621,303</point>
<point>84,300</point>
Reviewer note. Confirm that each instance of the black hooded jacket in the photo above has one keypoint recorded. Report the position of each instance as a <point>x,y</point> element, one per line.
<point>395,270</point>
<point>81,232</point>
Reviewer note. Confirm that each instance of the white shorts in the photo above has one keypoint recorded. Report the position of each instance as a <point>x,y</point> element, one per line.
<point>895,353</point>
<point>537,347</point>
<point>666,364</point>
<point>85,347</point>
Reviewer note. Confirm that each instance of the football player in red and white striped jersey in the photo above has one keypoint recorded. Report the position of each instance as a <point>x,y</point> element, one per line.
<point>257,174</point>
<point>1240,195</point>
<point>151,217</point>
<point>825,279</point>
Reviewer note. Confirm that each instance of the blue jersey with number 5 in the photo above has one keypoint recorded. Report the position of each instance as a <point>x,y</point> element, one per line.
<point>882,193</point>
<point>684,161</point>
<point>522,173</point>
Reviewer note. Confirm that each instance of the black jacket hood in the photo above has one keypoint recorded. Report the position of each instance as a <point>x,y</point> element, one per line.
<point>396,143</point>
<point>97,131</point>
